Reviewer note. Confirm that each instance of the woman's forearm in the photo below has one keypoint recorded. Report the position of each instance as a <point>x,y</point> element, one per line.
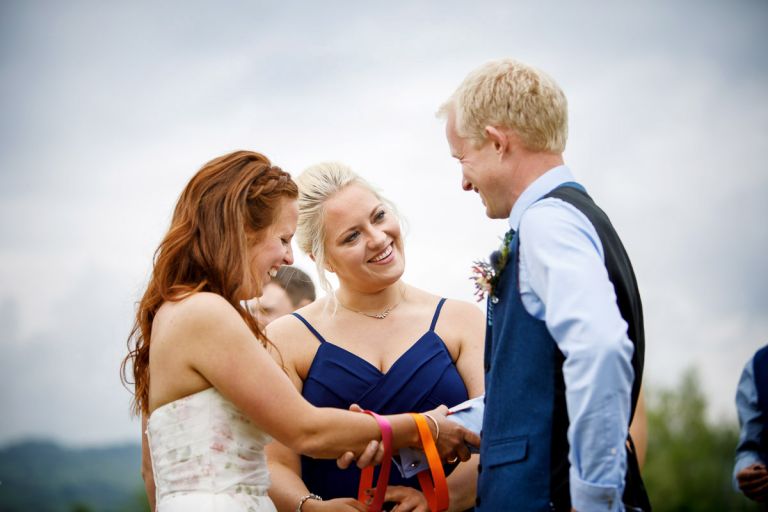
<point>334,432</point>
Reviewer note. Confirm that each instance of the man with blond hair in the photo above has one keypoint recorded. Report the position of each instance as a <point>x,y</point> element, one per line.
<point>564,338</point>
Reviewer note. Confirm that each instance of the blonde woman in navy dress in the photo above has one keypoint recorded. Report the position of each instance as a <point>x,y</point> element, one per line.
<point>375,341</point>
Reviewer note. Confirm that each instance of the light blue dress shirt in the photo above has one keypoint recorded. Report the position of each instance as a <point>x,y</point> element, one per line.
<point>750,419</point>
<point>564,282</point>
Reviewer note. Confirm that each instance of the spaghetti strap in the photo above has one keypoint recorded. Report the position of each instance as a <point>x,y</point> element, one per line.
<point>309,326</point>
<point>437,314</point>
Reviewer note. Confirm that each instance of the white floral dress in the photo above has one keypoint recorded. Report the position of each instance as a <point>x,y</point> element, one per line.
<point>207,456</point>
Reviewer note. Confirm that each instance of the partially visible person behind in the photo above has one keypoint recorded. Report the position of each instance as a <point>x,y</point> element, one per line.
<point>750,474</point>
<point>208,390</point>
<point>376,341</point>
<point>297,284</point>
<point>289,290</point>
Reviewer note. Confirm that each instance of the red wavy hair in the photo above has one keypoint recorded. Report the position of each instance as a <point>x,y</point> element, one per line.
<point>205,248</point>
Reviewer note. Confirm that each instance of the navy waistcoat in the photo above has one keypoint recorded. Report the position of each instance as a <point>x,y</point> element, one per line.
<point>760,369</point>
<point>524,452</point>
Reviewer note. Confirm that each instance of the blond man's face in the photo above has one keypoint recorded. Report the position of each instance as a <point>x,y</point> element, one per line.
<point>480,171</point>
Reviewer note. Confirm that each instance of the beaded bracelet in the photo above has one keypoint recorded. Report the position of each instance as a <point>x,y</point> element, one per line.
<point>303,499</point>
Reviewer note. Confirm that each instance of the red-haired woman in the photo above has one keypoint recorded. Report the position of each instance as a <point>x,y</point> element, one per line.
<point>210,392</point>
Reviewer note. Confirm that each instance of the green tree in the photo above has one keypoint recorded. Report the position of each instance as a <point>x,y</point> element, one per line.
<point>689,461</point>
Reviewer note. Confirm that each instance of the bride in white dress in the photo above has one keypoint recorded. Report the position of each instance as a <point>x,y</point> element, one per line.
<point>204,381</point>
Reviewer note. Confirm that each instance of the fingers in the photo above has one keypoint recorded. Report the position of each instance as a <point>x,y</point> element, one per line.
<point>471,438</point>
<point>453,440</point>
<point>370,455</point>
<point>757,485</point>
<point>379,453</point>
<point>463,453</point>
<point>356,408</point>
<point>751,476</point>
<point>345,460</point>
<point>406,499</point>
<point>440,411</point>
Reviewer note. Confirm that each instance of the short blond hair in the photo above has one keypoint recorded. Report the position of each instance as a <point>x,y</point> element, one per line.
<point>317,184</point>
<point>510,94</point>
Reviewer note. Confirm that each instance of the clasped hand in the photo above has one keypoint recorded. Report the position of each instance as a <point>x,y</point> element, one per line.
<point>753,482</point>
<point>451,443</point>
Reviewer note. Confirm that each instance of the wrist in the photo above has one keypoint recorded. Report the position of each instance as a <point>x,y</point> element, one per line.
<point>436,432</point>
<point>305,502</point>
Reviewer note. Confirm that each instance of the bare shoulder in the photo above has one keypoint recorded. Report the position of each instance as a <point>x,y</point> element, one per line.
<point>461,325</point>
<point>459,313</point>
<point>291,337</point>
<point>196,316</point>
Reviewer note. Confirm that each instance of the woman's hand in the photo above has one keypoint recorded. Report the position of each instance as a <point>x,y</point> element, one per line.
<point>407,499</point>
<point>334,505</point>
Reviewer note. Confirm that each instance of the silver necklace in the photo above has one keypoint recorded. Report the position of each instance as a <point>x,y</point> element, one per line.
<point>380,315</point>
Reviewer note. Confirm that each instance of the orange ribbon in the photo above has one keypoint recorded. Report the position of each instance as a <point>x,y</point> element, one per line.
<point>432,481</point>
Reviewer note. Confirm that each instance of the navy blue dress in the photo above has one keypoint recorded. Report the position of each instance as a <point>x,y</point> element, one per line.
<point>422,378</point>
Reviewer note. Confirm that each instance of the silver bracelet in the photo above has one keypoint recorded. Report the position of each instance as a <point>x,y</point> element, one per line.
<point>309,496</point>
<point>437,427</point>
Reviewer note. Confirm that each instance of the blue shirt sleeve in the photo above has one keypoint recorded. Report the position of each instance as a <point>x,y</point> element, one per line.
<point>564,282</point>
<point>750,420</point>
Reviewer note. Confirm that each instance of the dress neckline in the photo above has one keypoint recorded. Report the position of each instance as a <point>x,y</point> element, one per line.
<point>366,362</point>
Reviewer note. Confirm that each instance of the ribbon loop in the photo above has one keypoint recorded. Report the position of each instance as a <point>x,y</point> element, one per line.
<point>366,477</point>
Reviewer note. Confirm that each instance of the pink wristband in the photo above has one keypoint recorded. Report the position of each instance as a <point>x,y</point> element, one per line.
<point>366,478</point>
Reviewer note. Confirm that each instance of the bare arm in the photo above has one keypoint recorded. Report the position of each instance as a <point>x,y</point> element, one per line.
<point>146,465</point>
<point>469,322</point>
<point>284,464</point>
<point>221,348</point>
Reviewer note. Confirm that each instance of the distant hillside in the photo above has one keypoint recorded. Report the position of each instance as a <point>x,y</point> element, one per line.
<point>42,476</point>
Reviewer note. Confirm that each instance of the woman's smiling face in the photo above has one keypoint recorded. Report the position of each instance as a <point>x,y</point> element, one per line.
<point>363,243</point>
<point>271,248</point>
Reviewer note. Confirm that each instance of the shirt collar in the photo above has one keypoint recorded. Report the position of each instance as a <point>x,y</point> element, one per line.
<point>542,186</point>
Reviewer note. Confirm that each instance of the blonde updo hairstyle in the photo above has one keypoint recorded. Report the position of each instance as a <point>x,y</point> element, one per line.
<point>510,94</point>
<point>317,184</point>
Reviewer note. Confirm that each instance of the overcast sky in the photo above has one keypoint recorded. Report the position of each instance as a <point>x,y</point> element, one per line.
<point>108,108</point>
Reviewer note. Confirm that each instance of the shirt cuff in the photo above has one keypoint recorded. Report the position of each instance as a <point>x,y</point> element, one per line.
<point>587,497</point>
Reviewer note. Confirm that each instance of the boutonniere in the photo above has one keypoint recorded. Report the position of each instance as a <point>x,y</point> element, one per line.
<point>486,274</point>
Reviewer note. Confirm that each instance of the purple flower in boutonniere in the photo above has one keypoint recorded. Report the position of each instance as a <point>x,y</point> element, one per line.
<point>486,274</point>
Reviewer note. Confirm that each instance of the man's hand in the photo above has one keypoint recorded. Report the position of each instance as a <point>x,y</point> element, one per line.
<point>753,482</point>
<point>453,439</point>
